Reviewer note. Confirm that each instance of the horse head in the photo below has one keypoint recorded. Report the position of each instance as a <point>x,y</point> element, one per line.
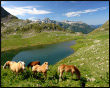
<point>6,64</point>
<point>45,63</point>
<point>22,64</point>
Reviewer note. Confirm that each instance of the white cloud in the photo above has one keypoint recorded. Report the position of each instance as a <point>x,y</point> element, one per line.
<point>77,13</point>
<point>25,10</point>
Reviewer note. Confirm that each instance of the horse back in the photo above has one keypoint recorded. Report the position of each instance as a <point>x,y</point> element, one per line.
<point>64,67</point>
<point>33,63</point>
<point>37,63</point>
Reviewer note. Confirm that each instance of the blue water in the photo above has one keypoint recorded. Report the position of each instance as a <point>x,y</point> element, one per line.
<point>51,53</point>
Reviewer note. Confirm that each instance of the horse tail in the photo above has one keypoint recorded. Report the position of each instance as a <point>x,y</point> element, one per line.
<point>58,69</point>
<point>77,72</point>
<point>29,64</point>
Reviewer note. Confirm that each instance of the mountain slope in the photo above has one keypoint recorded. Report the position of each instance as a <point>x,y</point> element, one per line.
<point>77,26</point>
<point>68,25</point>
<point>96,26</point>
<point>6,16</point>
<point>91,58</point>
<point>4,13</point>
<point>104,27</point>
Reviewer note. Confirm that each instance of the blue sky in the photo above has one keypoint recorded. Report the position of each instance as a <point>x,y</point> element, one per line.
<point>90,12</point>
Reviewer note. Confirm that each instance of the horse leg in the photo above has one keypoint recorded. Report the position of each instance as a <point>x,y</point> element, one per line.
<point>61,75</point>
<point>71,75</point>
<point>45,74</point>
<point>16,74</point>
<point>35,72</point>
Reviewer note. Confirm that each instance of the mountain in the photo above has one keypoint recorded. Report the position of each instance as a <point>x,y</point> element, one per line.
<point>96,26</point>
<point>75,26</point>
<point>104,27</point>
<point>6,16</point>
<point>4,13</point>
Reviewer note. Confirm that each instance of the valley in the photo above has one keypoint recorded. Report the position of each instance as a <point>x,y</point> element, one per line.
<point>91,54</point>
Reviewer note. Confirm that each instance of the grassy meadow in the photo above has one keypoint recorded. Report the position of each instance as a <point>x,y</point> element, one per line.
<point>91,57</point>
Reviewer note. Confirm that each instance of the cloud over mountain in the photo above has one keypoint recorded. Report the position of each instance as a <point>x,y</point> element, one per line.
<point>25,10</point>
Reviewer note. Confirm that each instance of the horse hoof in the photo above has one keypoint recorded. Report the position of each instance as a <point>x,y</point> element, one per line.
<point>60,80</point>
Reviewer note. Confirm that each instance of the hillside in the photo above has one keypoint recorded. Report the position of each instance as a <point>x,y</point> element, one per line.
<point>92,58</point>
<point>96,26</point>
<point>104,27</point>
<point>77,26</point>
<point>6,16</point>
<point>4,13</point>
<point>22,27</point>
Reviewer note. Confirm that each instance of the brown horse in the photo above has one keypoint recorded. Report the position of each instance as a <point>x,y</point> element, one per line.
<point>33,64</point>
<point>43,68</point>
<point>68,68</point>
<point>7,64</point>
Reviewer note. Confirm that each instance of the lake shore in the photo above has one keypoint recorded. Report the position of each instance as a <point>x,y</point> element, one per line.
<point>12,46</point>
<point>16,41</point>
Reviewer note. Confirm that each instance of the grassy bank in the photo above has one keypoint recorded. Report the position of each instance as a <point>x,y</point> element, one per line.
<point>19,41</point>
<point>92,59</point>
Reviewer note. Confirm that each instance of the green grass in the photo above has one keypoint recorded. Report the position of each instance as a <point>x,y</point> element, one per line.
<point>91,57</point>
<point>20,41</point>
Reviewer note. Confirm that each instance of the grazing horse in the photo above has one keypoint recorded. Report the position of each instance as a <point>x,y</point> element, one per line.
<point>43,68</point>
<point>33,64</point>
<point>8,63</point>
<point>17,67</point>
<point>68,68</point>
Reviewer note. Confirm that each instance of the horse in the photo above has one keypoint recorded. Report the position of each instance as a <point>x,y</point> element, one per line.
<point>17,67</point>
<point>33,64</point>
<point>68,68</point>
<point>8,63</point>
<point>41,68</point>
